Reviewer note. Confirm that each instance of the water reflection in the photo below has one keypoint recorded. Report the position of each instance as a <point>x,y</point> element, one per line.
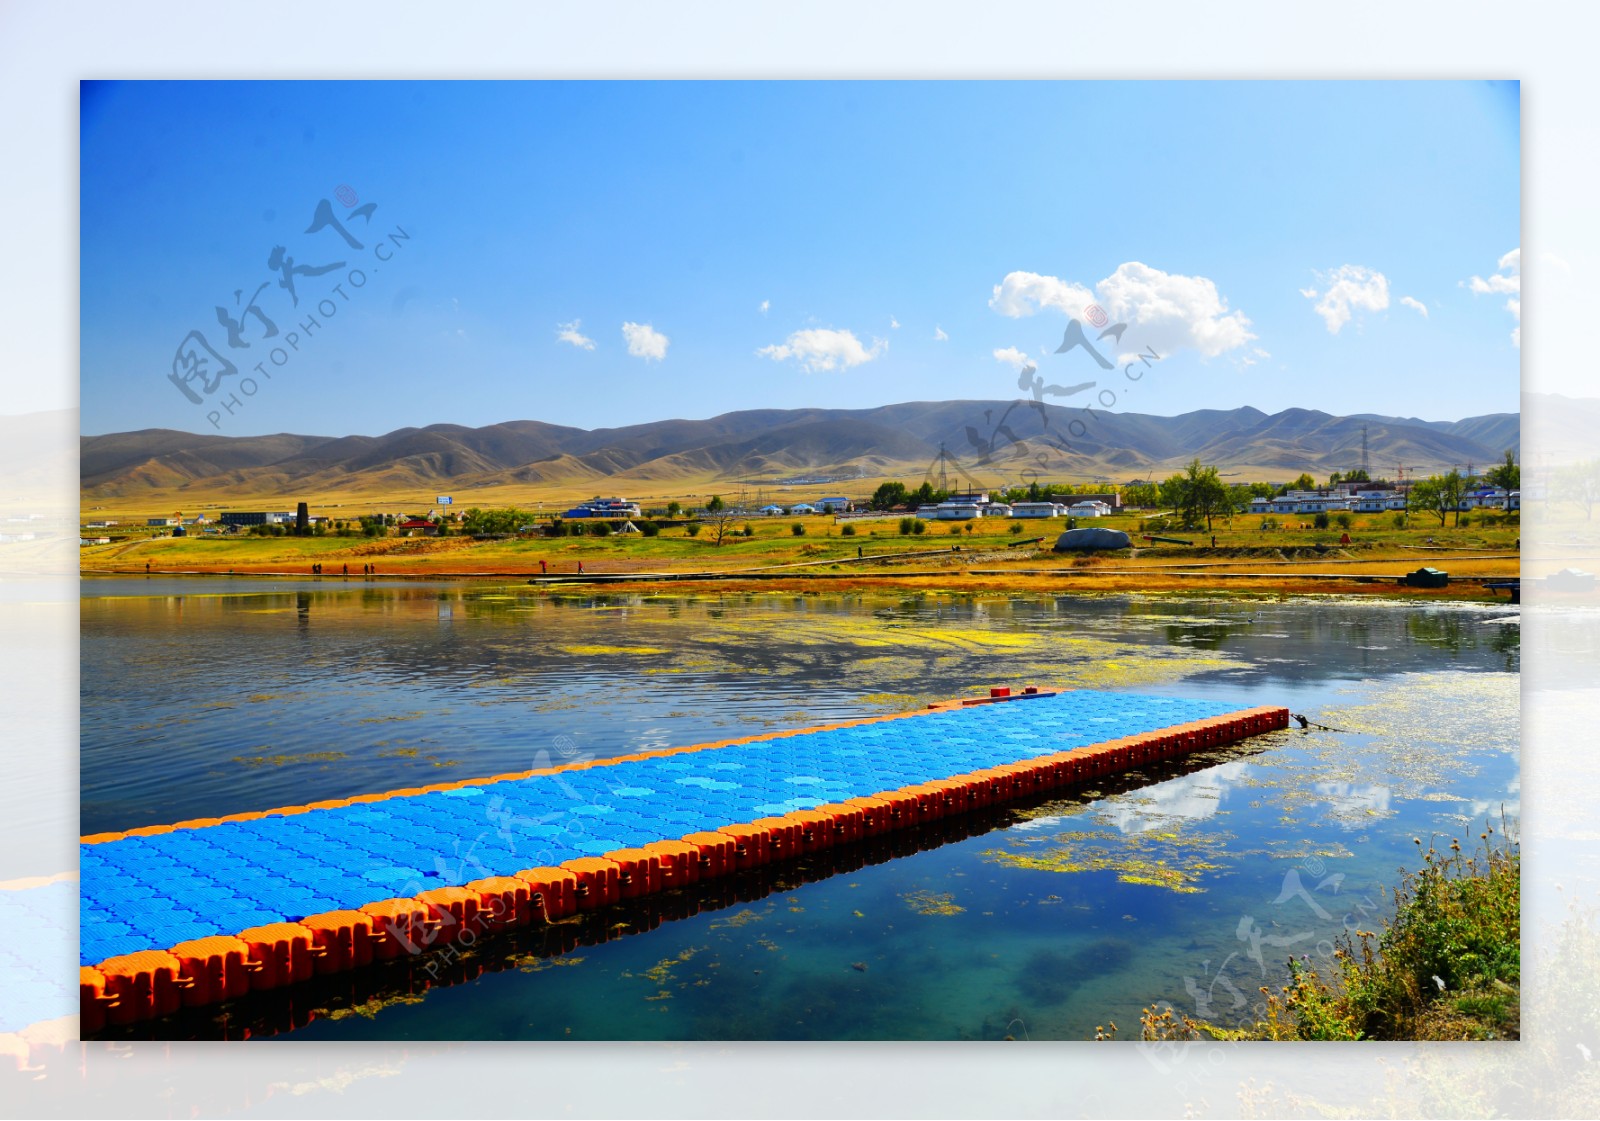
<point>1035,922</point>
<point>405,681</point>
<point>1190,798</point>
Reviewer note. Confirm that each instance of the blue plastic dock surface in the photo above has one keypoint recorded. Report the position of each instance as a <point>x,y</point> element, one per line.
<point>153,892</point>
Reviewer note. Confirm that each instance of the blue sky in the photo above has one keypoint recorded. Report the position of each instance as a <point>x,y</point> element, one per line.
<point>599,254</point>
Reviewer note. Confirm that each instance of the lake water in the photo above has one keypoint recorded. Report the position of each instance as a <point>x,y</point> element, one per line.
<point>1190,883</point>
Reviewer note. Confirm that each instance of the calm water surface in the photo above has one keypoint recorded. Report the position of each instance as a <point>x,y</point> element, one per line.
<point>1190,884</point>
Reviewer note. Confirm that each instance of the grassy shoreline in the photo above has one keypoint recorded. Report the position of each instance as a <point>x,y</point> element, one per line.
<point>988,555</point>
<point>1446,966</point>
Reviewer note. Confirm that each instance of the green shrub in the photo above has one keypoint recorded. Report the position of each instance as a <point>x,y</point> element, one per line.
<point>1320,520</point>
<point>1344,521</point>
<point>847,531</point>
<point>905,526</point>
<point>1447,965</point>
<point>692,529</point>
<point>650,529</point>
<point>1015,528</point>
<point>798,529</point>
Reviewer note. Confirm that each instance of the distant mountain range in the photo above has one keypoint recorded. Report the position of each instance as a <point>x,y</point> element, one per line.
<point>988,440</point>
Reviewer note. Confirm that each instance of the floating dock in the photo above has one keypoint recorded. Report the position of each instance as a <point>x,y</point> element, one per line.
<point>208,910</point>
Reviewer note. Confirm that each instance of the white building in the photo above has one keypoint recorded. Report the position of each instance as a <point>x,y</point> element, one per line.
<point>961,507</point>
<point>1035,510</point>
<point>1485,498</point>
<point>1377,501</point>
<point>1088,510</point>
<point>837,505</point>
<point>1303,502</point>
<point>802,508</point>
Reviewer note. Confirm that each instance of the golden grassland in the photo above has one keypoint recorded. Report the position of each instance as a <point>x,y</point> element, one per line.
<point>990,554</point>
<point>414,498</point>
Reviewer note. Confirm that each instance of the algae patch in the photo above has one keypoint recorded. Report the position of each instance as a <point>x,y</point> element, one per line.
<point>289,760</point>
<point>932,903</point>
<point>597,650</point>
<point>1165,859</point>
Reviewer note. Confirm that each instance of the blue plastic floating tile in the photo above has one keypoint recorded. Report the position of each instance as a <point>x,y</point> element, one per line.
<point>139,892</point>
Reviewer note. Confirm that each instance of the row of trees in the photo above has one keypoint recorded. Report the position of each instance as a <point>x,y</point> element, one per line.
<point>1441,495</point>
<point>1197,494</point>
<point>890,495</point>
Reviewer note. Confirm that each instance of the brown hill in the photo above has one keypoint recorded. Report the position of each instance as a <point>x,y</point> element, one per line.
<point>986,441</point>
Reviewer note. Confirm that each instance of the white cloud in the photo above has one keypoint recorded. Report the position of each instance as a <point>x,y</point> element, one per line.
<point>939,336</point>
<point>822,348</point>
<point>1165,311</point>
<point>1255,355</point>
<point>1169,312</point>
<point>569,333</point>
<point>1023,293</point>
<point>644,341</point>
<point>766,306</point>
<point>1507,281</point>
<point>1350,288</point>
<point>894,323</point>
<point>1415,305</point>
<point>1012,357</point>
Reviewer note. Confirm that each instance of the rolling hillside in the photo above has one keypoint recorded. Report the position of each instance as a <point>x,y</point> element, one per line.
<point>986,441</point>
